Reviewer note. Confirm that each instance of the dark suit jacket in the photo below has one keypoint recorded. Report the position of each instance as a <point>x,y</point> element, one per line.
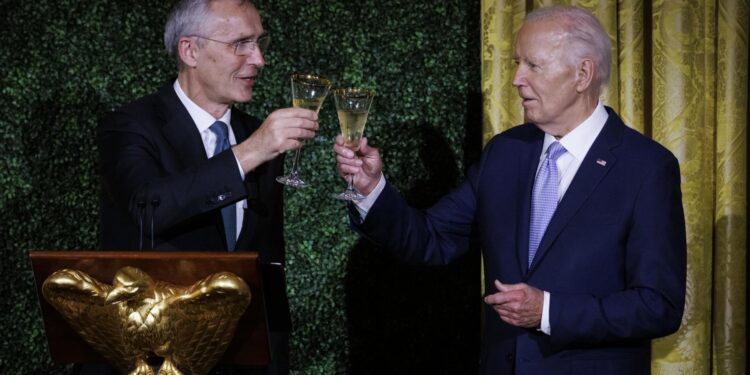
<point>155,173</point>
<point>613,257</point>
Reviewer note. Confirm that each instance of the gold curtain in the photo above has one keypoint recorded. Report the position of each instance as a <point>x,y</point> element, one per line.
<point>680,76</point>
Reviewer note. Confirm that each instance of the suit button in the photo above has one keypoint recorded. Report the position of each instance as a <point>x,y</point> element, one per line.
<point>222,197</point>
<point>509,357</point>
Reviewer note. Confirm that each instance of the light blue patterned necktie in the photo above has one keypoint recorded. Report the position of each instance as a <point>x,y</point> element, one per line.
<point>228,213</point>
<point>544,197</point>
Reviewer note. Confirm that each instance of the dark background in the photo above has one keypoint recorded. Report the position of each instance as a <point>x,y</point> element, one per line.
<point>355,309</point>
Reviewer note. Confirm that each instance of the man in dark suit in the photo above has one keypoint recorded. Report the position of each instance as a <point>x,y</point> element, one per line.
<point>184,170</point>
<point>579,217</point>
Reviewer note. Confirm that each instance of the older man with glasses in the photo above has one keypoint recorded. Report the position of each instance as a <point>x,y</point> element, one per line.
<point>579,217</point>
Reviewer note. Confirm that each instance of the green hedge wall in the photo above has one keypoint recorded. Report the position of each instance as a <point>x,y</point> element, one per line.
<point>355,309</point>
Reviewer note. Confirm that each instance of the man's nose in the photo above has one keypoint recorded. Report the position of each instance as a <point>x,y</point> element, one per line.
<point>518,77</point>
<point>256,58</point>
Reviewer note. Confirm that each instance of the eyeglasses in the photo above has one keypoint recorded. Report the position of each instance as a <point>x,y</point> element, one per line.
<point>246,46</point>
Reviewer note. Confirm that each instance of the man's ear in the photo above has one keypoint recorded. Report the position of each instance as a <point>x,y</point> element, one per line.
<point>584,75</point>
<point>188,50</point>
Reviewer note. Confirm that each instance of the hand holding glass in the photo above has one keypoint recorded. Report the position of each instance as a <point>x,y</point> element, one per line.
<point>352,106</point>
<point>309,92</point>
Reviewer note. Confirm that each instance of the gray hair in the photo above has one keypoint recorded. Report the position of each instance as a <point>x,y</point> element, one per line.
<point>187,18</point>
<point>586,37</point>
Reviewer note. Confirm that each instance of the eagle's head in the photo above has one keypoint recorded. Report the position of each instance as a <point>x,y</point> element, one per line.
<point>129,283</point>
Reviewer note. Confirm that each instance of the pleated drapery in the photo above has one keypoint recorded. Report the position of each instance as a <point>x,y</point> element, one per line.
<point>679,76</point>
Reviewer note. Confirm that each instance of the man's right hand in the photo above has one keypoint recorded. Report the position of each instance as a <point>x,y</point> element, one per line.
<point>365,164</point>
<point>283,130</point>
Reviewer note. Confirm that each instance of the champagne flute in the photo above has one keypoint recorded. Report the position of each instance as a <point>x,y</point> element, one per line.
<point>308,91</point>
<point>352,107</point>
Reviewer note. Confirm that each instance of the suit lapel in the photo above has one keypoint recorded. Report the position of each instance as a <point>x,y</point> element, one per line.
<point>239,129</point>
<point>597,163</point>
<point>179,129</point>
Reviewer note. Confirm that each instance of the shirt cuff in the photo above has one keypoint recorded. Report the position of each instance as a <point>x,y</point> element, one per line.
<point>239,166</point>
<point>363,206</point>
<point>544,326</point>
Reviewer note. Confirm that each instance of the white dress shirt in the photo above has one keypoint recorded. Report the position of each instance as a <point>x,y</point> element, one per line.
<point>203,121</point>
<point>577,144</point>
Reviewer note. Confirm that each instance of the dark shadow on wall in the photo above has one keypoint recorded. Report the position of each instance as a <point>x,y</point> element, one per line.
<point>414,319</point>
<point>472,145</point>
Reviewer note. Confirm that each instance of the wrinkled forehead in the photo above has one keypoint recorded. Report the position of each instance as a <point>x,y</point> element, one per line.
<point>233,17</point>
<point>547,33</point>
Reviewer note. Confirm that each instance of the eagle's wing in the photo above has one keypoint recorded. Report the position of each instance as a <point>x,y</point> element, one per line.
<point>80,300</point>
<point>204,320</point>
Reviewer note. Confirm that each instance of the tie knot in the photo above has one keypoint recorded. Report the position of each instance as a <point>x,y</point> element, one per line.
<point>220,129</point>
<point>555,150</point>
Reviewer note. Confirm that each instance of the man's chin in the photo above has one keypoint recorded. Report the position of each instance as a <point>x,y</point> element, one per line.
<point>244,97</point>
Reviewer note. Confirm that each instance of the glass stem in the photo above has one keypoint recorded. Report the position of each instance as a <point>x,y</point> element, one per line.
<point>351,182</point>
<point>294,162</point>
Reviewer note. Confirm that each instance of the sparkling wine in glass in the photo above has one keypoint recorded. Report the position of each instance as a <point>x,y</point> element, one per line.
<point>352,107</point>
<point>308,91</point>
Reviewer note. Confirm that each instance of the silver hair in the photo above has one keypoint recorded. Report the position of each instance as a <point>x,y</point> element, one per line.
<point>586,37</point>
<point>188,17</point>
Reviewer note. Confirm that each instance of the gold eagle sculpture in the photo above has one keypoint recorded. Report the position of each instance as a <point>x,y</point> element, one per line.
<point>136,317</point>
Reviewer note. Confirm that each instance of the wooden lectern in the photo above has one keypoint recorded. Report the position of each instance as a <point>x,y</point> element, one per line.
<point>250,345</point>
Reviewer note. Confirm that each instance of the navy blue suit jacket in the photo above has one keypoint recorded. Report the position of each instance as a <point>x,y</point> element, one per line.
<point>613,257</point>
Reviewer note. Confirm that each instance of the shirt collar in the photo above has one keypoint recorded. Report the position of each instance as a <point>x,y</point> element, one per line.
<point>579,140</point>
<point>202,119</point>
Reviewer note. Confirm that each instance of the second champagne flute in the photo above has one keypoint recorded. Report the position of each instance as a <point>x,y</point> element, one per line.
<point>352,107</point>
<point>308,91</point>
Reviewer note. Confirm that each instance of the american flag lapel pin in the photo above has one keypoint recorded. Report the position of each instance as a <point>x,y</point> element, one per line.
<point>601,162</point>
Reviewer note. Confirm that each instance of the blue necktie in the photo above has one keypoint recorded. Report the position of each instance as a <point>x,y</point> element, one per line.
<point>544,197</point>
<point>228,213</point>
